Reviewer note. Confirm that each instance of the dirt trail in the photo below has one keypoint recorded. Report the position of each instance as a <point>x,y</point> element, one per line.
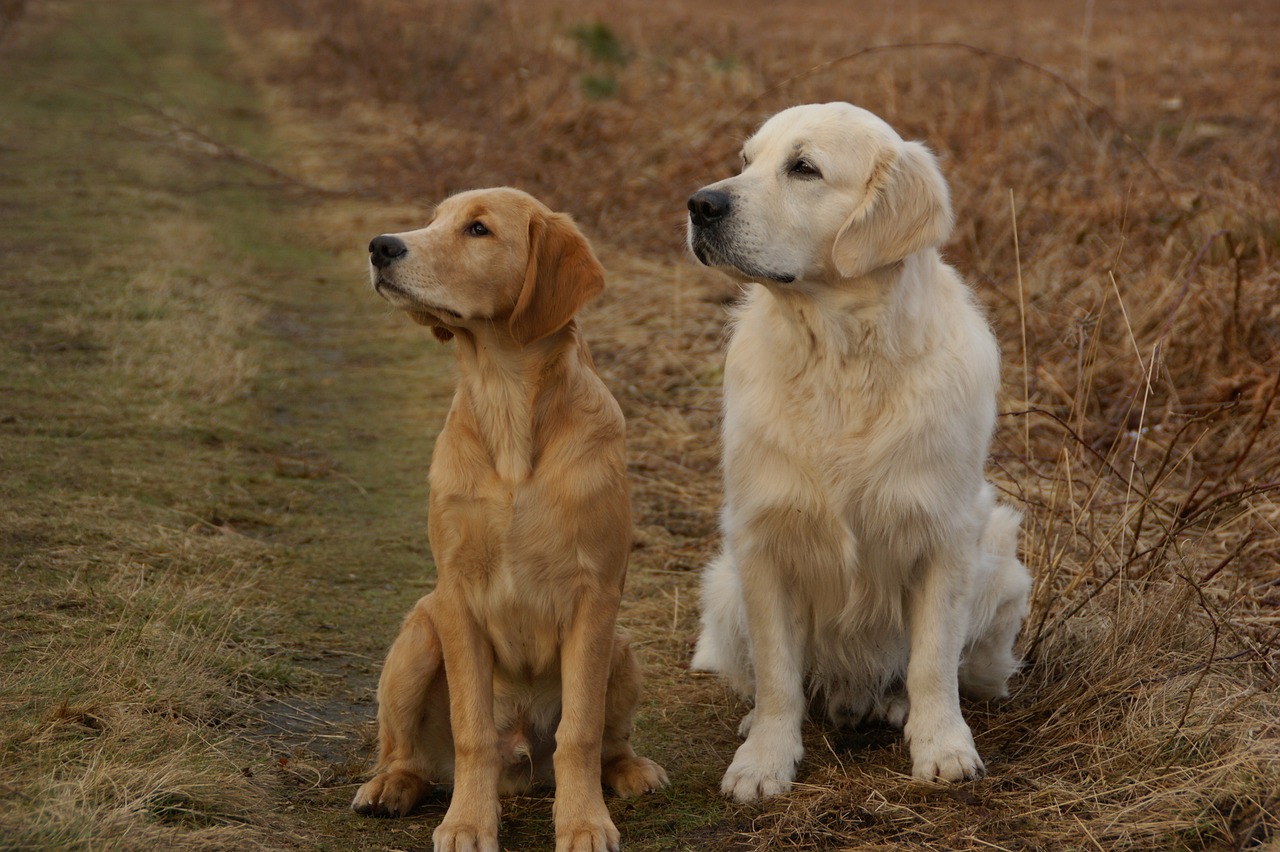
<point>200,392</point>
<point>271,424</point>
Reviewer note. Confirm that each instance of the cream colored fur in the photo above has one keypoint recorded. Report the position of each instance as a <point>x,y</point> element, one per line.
<point>866,565</point>
<point>512,672</point>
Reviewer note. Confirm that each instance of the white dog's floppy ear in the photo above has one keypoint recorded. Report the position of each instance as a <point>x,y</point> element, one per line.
<point>562,276</point>
<point>906,208</point>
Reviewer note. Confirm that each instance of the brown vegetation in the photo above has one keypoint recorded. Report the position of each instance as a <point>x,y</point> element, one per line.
<point>1115,175</point>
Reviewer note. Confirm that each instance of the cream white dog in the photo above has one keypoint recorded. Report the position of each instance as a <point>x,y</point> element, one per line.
<point>866,565</point>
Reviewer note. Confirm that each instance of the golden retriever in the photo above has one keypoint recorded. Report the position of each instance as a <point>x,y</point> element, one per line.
<point>865,565</point>
<point>512,670</point>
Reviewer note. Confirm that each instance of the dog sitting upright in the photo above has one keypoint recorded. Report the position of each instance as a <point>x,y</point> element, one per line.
<point>866,563</point>
<point>512,667</point>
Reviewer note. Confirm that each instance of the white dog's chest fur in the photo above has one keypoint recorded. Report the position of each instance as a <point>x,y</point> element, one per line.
<point>888,429</point>
<point>872,462</point>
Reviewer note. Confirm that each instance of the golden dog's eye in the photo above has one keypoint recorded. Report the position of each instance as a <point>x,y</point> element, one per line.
<point>804,169</point>
<point>477,229</point>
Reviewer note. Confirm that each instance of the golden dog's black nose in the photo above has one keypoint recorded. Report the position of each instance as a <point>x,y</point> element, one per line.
<point>386,250</point>
<point>707,206</point>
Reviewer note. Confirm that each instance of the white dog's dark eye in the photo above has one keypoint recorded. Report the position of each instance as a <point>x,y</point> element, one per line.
<point>477,229</point>
<point>803,169</point>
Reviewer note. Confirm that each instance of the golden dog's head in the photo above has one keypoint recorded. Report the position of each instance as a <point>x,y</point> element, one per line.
<point>489,261</point>
<point>826,191</point>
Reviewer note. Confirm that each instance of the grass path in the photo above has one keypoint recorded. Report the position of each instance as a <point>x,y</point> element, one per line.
<point>213,443</point>
<point>213,447</point>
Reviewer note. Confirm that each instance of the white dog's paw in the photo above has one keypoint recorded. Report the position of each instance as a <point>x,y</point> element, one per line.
<point>744,727</point>
<point>764,766</point>
<point>896,711</point>
<point>944,753</point>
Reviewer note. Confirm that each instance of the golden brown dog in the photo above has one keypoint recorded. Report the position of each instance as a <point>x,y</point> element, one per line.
<point>530,529</point>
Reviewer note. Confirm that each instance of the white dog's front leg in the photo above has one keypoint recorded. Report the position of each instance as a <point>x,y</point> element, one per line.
<point>765,765</point>
<point>942,746</point>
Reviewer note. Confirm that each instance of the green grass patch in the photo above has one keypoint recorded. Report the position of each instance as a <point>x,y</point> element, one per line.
<point>598,87</point>
<point>201,511</point>
<point>600,42</point>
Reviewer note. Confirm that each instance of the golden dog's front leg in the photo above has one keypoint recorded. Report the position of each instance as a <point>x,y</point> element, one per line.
<point>471,823</point>
<point>582,821</point>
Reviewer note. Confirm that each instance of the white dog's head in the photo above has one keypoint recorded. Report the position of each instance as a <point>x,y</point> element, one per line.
<point>827,191</point>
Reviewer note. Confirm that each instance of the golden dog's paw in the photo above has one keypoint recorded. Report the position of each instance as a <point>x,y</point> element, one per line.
<point>389,794</point>
<point>587,836</point>
<point>583,823</point>
<point>632,776</point>
<point>465,836</point>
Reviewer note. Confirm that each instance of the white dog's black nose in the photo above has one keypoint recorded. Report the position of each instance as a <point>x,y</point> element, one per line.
<point>386,250</point>
<point>707,206</point>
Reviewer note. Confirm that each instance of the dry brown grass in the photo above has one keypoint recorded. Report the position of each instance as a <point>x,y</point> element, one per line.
<point>1114,172</point>
<point>129,617</point>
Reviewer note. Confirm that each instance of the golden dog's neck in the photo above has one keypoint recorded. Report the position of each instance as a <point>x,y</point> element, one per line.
<point>507,390</point>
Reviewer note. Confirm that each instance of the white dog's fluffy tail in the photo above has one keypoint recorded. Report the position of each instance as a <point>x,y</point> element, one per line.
<point>1003,586</point>
<point>1001,536</point>
<point>723,647</point>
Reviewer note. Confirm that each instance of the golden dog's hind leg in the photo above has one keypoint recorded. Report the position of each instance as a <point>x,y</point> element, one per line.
<point>626,773</point>
<point>412,720</point>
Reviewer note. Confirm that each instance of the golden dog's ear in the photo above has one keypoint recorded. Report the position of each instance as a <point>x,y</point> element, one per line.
<point>438,331</point>
<point>906,208</point>
<point>563,275</point>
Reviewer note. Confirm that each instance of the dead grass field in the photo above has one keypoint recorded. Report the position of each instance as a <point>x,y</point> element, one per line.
<point>1115,174</point>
